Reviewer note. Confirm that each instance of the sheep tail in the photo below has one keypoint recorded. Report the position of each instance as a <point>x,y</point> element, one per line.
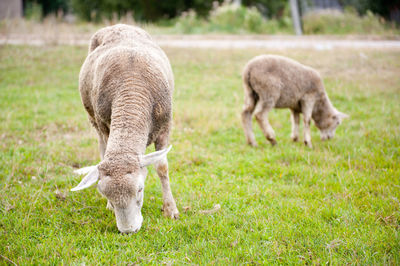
<point>249,91</point>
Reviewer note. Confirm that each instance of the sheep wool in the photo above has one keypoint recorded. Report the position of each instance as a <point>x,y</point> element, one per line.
<point>126,85</point>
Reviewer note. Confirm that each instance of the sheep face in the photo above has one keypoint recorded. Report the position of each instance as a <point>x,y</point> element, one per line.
<point>125,197</point>
<point>328,125</point>
<point>123,186</point>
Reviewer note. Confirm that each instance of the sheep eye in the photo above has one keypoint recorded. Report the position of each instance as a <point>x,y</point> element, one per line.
<point>140,190</point>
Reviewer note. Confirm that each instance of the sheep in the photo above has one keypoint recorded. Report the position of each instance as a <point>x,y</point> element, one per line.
<point>272,81</point>
<point>126,85</point>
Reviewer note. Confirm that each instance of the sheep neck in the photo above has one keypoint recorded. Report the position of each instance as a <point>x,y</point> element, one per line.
<point>130,124</point>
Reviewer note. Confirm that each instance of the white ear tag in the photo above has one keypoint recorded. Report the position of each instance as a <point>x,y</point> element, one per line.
<point>343,115</point>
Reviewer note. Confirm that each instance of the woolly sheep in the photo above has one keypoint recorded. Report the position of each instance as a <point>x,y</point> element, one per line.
<point>272,81</point>
<point>126,86</point>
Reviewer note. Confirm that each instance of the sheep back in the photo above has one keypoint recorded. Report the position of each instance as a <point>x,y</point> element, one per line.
<point>124,62</point>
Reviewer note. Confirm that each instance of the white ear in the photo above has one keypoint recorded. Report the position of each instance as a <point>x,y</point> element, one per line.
<point>153,157</point>
<point>84,170</point>
<point>89,179</point>
<point>342,115</point>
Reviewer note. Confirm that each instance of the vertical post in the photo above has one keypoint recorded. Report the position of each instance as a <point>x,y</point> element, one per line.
<point>296,17</point>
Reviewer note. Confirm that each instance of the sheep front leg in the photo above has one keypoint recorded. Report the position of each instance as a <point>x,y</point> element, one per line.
<point>261,114</point>
<point>169,205</point>
<point>102,148</point>
<point>295,117</point>
<point>307,111</point>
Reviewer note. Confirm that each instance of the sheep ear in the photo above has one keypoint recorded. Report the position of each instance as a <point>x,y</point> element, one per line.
<point>91,177</point>
<point>153,157</point>
<point>85,170</point>
<point>342,115</point>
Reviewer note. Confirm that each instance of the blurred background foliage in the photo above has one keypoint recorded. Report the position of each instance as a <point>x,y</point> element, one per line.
<point>251,16</point>
<point>154,10</point>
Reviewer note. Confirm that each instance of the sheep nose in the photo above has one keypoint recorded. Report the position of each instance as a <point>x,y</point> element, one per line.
<point>129,231</point>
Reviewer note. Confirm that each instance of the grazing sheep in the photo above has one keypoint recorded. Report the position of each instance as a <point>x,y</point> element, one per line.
<point>272,81</point>
<point>126,85</point>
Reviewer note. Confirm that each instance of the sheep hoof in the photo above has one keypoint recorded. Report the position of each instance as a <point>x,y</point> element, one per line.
<point>308,144</point>
<point>254,144</point>
<point>273,142</point>
<point>295,138</point>
<point>175,215</point>
<point>170,211</point>
<point>172,214</point>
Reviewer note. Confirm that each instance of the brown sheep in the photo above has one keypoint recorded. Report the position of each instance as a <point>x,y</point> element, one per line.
<point>272,81</point>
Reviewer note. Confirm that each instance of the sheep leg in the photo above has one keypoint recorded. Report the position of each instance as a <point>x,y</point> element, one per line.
<point>101,138</point>
<point>102,147</point>
<point>306,109</point>
<point>248,108</point>
<point>169,205</point>
<point>103,132</point>
<point>261,114</point>
<point>295,117</point>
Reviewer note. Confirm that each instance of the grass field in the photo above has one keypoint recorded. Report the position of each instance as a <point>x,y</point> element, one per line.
<point>337,203</point>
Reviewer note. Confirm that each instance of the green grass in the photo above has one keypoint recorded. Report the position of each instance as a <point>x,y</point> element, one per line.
<point>337,203</point>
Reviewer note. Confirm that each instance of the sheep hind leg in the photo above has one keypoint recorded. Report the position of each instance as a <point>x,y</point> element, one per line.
<point>103,132</point>
<point>102,147</point>
<point>169,206</point>
<point>247,113</point>
<point>261,114</point>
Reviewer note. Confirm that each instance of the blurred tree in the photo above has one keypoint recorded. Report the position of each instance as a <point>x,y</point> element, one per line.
<point>143,10</point>
<point>153,10</point>
<point>86,9</point>
<point>48,6</point>
<point>381,7</point>
<point>202,7</point>
<point>269,8</point>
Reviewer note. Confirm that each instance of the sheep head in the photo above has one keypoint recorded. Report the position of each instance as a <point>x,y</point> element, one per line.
<point>123,186</point>
<point>330,123</point>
